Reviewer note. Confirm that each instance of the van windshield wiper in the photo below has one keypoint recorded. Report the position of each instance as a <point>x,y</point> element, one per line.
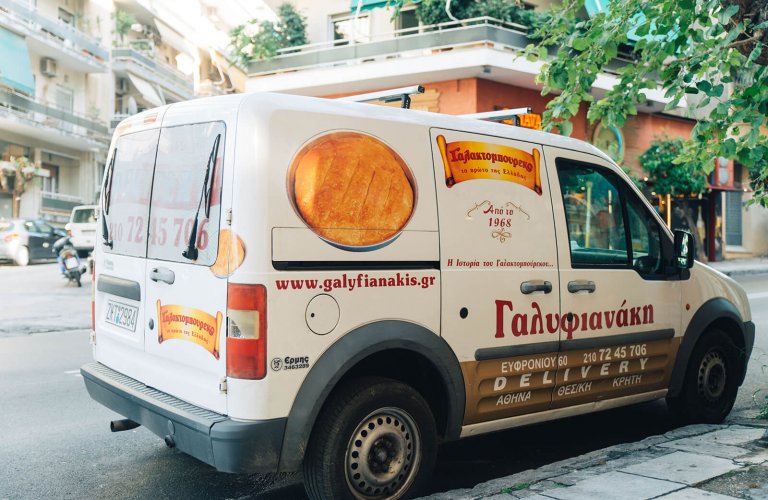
<point>206,194</point>
<point>106,200</point>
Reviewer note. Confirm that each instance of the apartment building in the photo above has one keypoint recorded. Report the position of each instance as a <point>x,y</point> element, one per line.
<point>70,70</point>
<point>470,66</point>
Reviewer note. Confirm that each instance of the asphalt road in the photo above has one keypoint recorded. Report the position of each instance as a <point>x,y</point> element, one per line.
<point>55,441</point>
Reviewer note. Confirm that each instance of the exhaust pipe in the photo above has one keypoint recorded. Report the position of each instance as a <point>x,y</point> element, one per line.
<point>122,425</point>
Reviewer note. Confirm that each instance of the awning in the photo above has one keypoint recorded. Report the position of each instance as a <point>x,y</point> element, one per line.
<point>15,68</point>
<point>172,38</point>
<point>374,4</point>
<point>146,90</point>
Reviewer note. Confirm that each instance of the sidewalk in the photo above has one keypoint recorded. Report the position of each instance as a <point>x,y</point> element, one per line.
<point>714,462</point>
<point>740,267</point>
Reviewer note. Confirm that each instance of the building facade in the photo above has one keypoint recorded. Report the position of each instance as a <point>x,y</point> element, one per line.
<point>472,66</point>
<point>70,70</point>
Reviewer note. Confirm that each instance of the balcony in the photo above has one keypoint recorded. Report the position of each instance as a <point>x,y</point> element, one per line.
<point>58,204</point>
<point>426,53</point>
<point>54,38</point>
<point>42,121</point>
<point>173,82</point>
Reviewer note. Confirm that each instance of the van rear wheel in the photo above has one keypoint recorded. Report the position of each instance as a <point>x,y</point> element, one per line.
<point>374,439</point>
<point>711,380</point>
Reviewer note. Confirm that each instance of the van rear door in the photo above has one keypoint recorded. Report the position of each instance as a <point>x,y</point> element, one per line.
<point>186,300</point>
<point>121,264</point>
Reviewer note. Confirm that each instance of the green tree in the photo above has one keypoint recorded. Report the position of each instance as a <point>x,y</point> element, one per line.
<point>15,175</point>
<point>123,21</point>
<point>512,11</point>
<point>711,51</point>
<point>256,40</point>
<point>677,179</point>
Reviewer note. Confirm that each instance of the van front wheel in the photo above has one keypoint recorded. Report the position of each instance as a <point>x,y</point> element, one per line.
<point>711,380</point>
<point>375,439</point>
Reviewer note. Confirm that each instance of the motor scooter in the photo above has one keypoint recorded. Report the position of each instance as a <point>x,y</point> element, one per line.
<point>69,262</point>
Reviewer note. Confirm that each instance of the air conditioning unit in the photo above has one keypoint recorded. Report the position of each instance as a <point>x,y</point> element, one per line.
<point>121,86</point>
<point>48,66</point>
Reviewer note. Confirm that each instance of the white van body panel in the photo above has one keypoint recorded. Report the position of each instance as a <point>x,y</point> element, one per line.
<point>707,283</point>
<point>456,275</point>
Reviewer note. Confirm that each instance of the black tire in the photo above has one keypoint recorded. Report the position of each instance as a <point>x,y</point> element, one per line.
<point>711,380</point>
<point>388,419</point>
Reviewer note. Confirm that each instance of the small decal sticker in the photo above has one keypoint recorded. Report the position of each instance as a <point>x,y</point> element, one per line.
<point>193,325</point>
<point>469,160</point>
<point>499,217</point>
<point>289,363</point>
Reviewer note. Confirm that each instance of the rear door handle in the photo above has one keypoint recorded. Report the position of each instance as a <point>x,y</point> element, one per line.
<point>162,274</point>
<point>527,287</point>
<point>581,286</point>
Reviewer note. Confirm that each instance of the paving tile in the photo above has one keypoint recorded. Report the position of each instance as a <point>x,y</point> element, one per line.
<point>614,486</point>
<point>736,435</point>
<point>754,458</point>
<point>682,467</point>
<point>706,446</point>
<point>696,494</point>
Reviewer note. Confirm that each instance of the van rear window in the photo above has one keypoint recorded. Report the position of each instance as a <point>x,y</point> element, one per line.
<point>181,194</point>
<point>84,215</point>
<point>128,208</point>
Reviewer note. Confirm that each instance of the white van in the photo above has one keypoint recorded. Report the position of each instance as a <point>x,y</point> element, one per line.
<point>81,228</point>
<point>287,282</point>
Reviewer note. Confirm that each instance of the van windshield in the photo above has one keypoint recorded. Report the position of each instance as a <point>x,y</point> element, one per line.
<point>84,215</point>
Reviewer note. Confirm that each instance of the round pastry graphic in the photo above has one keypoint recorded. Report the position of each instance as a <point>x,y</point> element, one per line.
<point>352,190</point>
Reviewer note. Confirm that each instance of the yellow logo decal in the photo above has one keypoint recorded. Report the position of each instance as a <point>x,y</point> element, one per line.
<point>467,160</point>
<point>193,325</point>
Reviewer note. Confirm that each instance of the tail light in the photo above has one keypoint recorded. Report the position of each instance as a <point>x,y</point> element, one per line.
<point>246,331</point>
<point>10,237</point>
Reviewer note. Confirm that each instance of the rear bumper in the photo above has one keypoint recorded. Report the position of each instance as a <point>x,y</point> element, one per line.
<point>227,445</point>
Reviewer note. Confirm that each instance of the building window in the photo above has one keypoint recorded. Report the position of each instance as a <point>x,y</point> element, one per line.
<point>345,28</point>
<point>66,17</point>
<point>733,222</point>
<point>65,98</point>
<point>407,22</point>
<point>51,182</point>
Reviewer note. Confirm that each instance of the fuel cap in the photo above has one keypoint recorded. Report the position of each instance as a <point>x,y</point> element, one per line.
<point>322,314</point>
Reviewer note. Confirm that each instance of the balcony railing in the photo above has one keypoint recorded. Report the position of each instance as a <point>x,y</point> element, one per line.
<point>50,116</point>
<point>61,203</point>
<point>399,43</point>
<point>70,37</point>
<point>154,70</point>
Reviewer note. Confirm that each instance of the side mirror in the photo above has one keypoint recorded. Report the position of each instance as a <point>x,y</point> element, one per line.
<point>684,250</point>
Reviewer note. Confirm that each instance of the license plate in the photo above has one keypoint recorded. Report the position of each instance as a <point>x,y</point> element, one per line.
<point>121,315</point>
<point>70,262</point>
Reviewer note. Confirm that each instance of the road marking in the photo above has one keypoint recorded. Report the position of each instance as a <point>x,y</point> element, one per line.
<point>758,295</point>
<point>76,373</point>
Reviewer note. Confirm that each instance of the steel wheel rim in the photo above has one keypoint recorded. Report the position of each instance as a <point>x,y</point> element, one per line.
<point>383,455</point>
<point>712,377</point>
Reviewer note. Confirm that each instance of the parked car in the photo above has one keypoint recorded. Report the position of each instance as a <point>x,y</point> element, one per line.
<point>25,240</point>
<point>82,228</point>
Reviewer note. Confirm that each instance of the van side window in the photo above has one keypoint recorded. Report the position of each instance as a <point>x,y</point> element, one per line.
<point>179,194</point>
<point>129,197</point>
<point>646,238</point>
<point>593,213</point>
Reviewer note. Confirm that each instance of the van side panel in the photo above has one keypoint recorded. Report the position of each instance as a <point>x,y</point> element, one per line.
<point>319,290</point>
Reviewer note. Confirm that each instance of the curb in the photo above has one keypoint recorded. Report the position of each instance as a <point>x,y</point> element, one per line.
<point>696,461</point>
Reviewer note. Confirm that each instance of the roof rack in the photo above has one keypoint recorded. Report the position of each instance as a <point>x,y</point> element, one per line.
<point>402,94</point>
<point>500,115</point>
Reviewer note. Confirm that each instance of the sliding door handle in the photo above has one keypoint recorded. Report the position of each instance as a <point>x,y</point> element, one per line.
<point>527,287</point>
<point>581,286</point>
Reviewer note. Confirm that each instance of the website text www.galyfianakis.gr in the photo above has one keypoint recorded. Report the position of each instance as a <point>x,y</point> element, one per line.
<point>354,281</point>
